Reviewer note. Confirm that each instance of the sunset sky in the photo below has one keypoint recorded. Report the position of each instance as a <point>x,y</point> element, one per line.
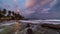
<point>33,8</point>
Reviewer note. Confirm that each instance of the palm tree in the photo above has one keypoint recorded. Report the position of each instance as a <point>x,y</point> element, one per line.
<point>9,13</point>
<point>13,15</point>
<point>2,13</point>
<point>18,16</point>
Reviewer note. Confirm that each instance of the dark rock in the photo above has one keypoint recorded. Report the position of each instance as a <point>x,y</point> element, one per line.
<point>52,26</point>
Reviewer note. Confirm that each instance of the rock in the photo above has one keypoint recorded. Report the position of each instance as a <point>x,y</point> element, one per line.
<point>52,26</point>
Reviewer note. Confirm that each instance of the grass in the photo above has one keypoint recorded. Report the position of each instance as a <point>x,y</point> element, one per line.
<point>7,30</point>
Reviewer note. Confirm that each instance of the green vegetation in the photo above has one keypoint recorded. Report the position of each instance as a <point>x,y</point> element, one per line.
<point>11,15</point>
<point>6,30</point>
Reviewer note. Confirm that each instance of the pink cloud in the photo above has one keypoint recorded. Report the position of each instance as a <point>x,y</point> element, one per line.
<point>51,3</point>
<point>41,3</point>
<point>30,3</point>
<point>45,2</point>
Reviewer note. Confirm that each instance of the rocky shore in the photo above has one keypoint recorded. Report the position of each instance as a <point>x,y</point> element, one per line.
<point>38,28</point>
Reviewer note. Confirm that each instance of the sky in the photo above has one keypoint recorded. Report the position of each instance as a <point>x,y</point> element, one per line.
<point>33,8</point>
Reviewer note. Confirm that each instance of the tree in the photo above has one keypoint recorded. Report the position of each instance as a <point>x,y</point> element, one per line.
<point>13,14</point>
<point>18,16</point>
<point>4,11</point>
<point>9,13</point>
<point>0,14</point>
<point>0,10</point>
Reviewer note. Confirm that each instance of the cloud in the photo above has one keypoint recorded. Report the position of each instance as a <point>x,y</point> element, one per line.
<point>45,10</point>
<point>41,3</point>
<point>27,12</point>
<point>53,3</point>
<point>30,3</point>
<point>45,2</point>
<point>42,9</point>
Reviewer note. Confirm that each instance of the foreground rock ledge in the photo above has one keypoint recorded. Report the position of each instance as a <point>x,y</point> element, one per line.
<point>53,26</point>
